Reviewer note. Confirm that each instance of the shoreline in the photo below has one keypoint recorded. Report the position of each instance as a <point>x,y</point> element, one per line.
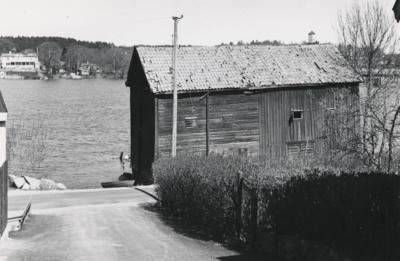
<point>16,192</point>
<point>69,76</point>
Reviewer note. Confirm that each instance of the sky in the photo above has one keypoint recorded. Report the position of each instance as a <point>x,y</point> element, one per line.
<point>204,22</point>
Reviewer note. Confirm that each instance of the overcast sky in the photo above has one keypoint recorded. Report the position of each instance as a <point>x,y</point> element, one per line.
<point>205,22</point>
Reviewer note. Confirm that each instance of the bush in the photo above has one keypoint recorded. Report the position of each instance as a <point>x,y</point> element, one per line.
<point>199,189</point>
<point>202,190</point>
<point>355,212</point>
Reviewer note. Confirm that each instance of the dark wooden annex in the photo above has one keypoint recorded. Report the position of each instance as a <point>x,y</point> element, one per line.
<point>247,100</point>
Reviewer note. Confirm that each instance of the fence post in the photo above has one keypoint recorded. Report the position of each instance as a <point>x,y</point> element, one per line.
<point>276,223</point>
<point>243,184</point>
<point>239,180</point>
<point>253,218</point>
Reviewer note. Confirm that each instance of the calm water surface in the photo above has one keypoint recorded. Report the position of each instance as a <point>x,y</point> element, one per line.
<point>88,122</point>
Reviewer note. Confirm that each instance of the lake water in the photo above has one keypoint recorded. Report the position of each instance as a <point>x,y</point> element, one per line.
<point>88,122</point>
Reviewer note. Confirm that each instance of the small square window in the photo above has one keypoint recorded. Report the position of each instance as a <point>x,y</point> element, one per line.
<point>297,115</point>
<point>190,122</point>
<point>227,120</point>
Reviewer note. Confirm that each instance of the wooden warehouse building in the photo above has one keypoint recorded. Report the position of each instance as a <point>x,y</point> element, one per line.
<point>234,99</point>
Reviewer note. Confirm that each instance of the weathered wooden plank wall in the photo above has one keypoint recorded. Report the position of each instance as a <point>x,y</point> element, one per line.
<point>3,196</point>
<point>234,123</point>
<point>233,120</point>
<point>250,124</point>
<point>192,139</point>
<point>280,132</point>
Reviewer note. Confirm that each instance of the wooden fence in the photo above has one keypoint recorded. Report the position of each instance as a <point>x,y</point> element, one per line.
<point>246,212</point>
<point>3,196</point>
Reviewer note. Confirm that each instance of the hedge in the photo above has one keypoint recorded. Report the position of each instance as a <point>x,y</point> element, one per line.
<point>201,190</point>
<point>353,212</point>
<point>357,213</point>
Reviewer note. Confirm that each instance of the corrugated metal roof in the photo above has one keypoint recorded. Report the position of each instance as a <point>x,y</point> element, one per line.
<point>241,67</point>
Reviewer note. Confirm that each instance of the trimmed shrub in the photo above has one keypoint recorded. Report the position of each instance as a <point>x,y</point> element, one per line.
<point>355,213</point>
<point>202,190</point>
<point>358,213</point>
<point>199,190</point>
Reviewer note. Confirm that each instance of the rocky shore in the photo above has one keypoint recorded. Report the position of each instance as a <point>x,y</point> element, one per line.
<point>29,183</point>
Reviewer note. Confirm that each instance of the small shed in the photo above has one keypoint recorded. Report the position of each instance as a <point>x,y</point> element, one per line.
<point>3,166</point>
<point>249,100</point>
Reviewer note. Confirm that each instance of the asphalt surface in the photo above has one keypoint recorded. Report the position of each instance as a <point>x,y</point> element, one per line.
<point>102,224</point>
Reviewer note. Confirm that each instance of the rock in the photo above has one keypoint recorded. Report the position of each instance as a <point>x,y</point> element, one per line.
<point>19,182</point>
<point>47,184</point>
<point>35,186</point>
<point>34,183</point>
<point>61,186</point>
<point>11,179</point>
<point>26,186</point>
<point>126,176</point>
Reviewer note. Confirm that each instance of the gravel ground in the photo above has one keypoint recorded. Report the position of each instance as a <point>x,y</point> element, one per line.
<point>102,224</point>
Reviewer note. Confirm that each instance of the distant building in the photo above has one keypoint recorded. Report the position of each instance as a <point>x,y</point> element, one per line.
<point>311,37</point>
<point>18,62</point>
<point>87,69</point>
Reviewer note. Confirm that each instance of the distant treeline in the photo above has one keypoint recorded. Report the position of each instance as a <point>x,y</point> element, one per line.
<point>22,42</point>
<point>256,42</point>
<point>68,53</point>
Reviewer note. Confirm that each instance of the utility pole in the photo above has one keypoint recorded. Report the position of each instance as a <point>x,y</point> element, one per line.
<point>175,90</point>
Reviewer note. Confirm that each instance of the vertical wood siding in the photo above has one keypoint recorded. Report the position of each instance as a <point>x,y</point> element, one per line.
<point>280,133</point>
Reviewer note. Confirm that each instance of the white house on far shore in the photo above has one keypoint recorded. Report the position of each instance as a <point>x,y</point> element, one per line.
<point>19,62</point>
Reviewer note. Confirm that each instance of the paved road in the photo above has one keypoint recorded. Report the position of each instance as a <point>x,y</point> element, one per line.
<point>102,224</point>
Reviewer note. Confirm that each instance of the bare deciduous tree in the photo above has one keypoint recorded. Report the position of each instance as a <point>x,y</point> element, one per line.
<point>29,148</point>
<point>367,38</point>
<point>49,55</point>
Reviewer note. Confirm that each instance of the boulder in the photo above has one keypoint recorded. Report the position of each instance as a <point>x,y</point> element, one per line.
<point>11,179</point>
<point>126,176</point>
<point>61,186</point>
<point>35,186</point>
<point>19,182</point>
<point>34,183</point>
<point>47,184</point>
<point>26,186</point>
